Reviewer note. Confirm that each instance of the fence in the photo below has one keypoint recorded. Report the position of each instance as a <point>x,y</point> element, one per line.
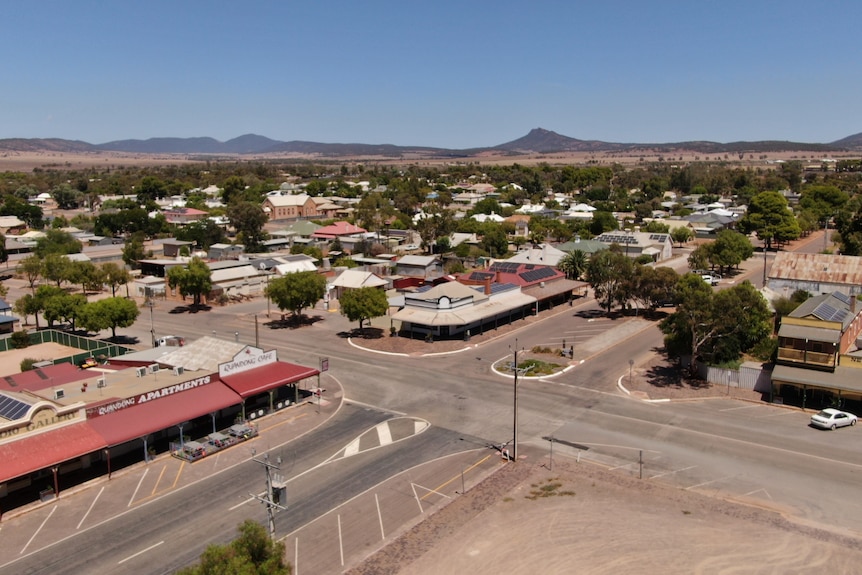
<point>749,376</point>
<point>92,347</point>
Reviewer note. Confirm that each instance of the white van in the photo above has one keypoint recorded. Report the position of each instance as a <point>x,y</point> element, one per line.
<point>171,340</point>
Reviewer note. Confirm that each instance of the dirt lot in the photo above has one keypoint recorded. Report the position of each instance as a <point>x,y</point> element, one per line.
<point>12,359</point>
<point>580,518</point>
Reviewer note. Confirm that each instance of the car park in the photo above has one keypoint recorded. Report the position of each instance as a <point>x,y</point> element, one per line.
<point>833,418</point>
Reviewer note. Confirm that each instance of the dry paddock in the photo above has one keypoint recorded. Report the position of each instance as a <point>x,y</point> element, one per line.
<point>580,518</point>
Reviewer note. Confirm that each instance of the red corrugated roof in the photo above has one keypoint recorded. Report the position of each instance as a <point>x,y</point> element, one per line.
<point>44,377</point>
<point>42,450</point>
<point>260,379</point>
<point>157,414</point>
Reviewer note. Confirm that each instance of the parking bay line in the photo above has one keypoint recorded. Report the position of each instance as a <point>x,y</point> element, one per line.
<point>138,487</point>
<point>672,472</point>
<point>93,504</point>
<point>38,530</point>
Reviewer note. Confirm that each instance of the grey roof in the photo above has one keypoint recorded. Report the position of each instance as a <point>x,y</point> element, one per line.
<point>833,306</point>
<point>809,333</point>
<point>844,378</point>
<point>205,353</point>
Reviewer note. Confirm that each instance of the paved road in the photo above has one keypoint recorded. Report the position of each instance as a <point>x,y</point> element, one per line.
<point>756,452</point>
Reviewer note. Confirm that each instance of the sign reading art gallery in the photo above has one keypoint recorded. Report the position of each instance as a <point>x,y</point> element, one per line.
<point>248,358</point>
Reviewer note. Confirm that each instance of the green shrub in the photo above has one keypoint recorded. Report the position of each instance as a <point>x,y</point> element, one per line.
<point>20,339</point>
<point>27,363</point>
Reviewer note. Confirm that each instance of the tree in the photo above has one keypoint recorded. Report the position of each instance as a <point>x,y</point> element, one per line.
<point>730,249</point>
<point>115,276</point>
<point>770,218</point>
<point>63,306</point>
<point>194,280</point>
<point>31,267</point>
<point>88,275</point>
<point>609,272</point>
<point>297,291</point>
<point>715,326</point>
<point>27,305</point>
<point>823,200</point>
<point>4,254</point>
<point>248,219</point>
<point>56,268</point>
<point>693,323</point>
<point>681,235</point>
<point>494,240</point>
<point>203,233</point>
<point>573,264</point>
<point>150,190</point>
<point>57,242</point>
<point>112,312</point>
<point>231,189</point>
<point>133,252</point>
<point>363,304</point>
<point>602,222</point>
<point>252,553</point>
<point>653,286</point>
<point>67,197</point>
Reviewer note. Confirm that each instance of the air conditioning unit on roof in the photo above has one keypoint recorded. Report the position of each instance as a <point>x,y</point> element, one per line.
<point>178,370</point>
<point>141,371</point>
<point>153,367</point>
<point>101,382</point>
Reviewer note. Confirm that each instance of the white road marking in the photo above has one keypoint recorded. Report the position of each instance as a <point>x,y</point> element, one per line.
<point>674,471</point>
<point>384,434</point>
<point>142,551</point>
<point>340,541</point>
<point>38,530</point>
<point>238,505</point>
<point>90,508</point>
<point>135,494</point>
<point>379,517</point>
<point>708,482</point>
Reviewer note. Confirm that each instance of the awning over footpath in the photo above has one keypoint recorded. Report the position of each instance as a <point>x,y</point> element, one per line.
<point>466,315</point>
<point>264,378</point>
<point>43,450</point>
<point>844,378</point>
<point>158,414</point>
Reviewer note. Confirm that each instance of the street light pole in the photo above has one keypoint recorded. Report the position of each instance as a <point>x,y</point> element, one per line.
<point>151,305</point>
<point>515,406</point>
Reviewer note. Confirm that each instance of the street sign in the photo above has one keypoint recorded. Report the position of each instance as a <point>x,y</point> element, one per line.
<point>324,364</point>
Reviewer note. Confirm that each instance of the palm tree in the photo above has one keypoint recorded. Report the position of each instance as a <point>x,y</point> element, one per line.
<point>573,264</point>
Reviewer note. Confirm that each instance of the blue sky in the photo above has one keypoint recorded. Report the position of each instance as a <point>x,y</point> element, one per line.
<point>444,73</point>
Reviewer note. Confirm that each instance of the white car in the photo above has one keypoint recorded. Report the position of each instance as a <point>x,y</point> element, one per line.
<point>832,418</point>
<point>711,279</point>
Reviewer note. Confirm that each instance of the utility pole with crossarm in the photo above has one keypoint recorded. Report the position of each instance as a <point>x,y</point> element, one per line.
<point>276,491</point>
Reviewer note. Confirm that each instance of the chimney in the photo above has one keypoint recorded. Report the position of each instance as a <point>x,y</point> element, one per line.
<point>488,286</point>
<point>499,277</point>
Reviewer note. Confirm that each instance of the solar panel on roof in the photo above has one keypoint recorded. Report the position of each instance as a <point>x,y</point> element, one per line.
<point>504,267</point>
<point>11,408</point>
<point>481,276</point>
<point>828,313</point>
<point>538,274</point>
<point>842,297</point>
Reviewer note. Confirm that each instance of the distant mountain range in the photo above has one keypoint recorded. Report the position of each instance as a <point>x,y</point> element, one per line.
<point>537,141</point>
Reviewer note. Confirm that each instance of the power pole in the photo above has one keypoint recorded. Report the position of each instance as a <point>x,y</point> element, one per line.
<point>276,491</point>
